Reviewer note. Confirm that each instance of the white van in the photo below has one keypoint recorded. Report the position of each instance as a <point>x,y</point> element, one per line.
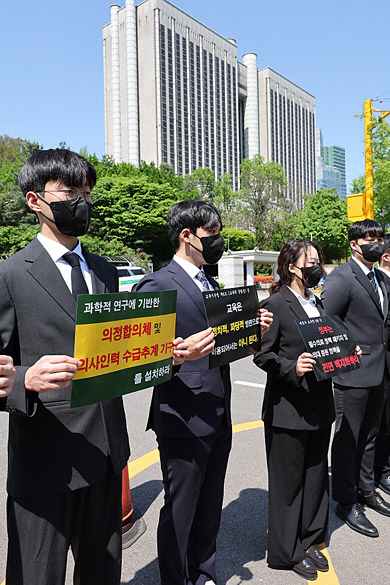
<point>129,276</point>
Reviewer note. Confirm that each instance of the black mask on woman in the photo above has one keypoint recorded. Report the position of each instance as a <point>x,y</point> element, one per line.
<point>372,251</point>
<point>213,248</point>
<point>72,218</point>
<point>311,275</point>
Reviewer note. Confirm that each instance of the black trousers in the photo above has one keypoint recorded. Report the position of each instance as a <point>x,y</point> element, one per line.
<point>193,474</point>
<point>358,416</point>
<point>41,531</point>
<point>382,445</point>
<point>298,492</point>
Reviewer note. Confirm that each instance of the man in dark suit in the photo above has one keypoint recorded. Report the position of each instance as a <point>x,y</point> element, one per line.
<point>356,292</point>
<point>64,466</point>
<point>190,414</point>
<point>382,448</point>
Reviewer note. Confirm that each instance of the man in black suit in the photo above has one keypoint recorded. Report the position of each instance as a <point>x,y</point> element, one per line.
<point>64,466</point>
<point>382,448</point>
<point>190,414</point>
<point>356,292</point>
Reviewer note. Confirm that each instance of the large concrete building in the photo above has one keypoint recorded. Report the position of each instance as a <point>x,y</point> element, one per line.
<point>334,156</point>
<point>176,93</point>
<point>330,166</point>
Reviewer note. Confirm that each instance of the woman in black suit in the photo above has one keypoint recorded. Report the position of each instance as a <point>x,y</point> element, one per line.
<point>297,412</point>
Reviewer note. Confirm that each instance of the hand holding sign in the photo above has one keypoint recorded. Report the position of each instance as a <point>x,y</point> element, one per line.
<point>266,318</point>
<point>51,372</point>
<point>332,350</point>
<point>305,363</point>
<point>180,351</point>
<point>200,344</point>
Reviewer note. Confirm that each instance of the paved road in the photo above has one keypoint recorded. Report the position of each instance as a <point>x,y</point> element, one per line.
<point>356,560</point>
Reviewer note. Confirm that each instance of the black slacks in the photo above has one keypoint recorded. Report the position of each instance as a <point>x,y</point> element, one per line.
<point>298,492</point>
<point>41,531</point>
<point>193,474</point>
<point>382,444</point>
<point>358,416</point>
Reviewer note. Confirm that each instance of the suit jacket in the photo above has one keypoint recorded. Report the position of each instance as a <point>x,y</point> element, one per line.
<point>195,401</point>
<point>52,448</point>
<point>349,294</point>
<point>291,402</point>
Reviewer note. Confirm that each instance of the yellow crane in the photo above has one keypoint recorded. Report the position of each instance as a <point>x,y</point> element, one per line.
<point>361,205</point>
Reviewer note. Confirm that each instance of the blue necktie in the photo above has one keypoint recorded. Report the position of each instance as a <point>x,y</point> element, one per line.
<point>203,280</point>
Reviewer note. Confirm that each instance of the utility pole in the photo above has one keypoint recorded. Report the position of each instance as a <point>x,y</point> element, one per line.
<point>361,205</point>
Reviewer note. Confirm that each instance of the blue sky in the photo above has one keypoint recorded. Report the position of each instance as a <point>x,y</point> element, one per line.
<point>51,63</point>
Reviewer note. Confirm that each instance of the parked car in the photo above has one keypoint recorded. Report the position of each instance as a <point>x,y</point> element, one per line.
<point>128,274</point>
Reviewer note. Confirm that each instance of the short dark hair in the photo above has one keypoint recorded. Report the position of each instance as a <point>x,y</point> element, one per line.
<point>191,214</point>
<point>367,227</point>
<point>386,241</point>
<point>289,254</point>
<point>58,164</point>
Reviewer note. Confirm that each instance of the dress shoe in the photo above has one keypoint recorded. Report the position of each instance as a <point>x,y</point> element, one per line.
<point>317,558</point>
<point>375,502</point>
<point>355,518</point>
<point>384,482</point>
<point>306,569</point>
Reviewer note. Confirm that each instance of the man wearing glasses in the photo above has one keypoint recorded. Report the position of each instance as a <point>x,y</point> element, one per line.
<point>64,468</point>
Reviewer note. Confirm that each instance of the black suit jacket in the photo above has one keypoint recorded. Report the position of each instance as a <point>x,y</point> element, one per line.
<point>291,402</point>
<point>349,294</point>
<point>195,401</point>
<point>52,448</point>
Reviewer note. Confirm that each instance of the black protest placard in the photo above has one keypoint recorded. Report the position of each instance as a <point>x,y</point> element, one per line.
<point>233,313</point>
<point>331,345</point>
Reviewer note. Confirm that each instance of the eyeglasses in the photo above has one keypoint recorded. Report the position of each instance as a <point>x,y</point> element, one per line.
<point>74,193</point>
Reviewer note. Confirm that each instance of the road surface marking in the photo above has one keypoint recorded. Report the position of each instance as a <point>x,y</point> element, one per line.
<point>251,384</point>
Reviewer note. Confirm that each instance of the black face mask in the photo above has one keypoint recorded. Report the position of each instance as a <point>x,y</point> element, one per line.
<point>311,275</point>
<point>213,248</point>
<point>71,217</point>
<point>372,251</point>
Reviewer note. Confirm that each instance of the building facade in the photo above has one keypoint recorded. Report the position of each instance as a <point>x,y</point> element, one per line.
<point>334,157</point>
<point>176,93</point>
<point>330,166</point>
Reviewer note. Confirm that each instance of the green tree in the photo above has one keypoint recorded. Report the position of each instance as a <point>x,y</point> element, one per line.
<point>13,154</point>
<point>262,192</point>
<point>133,211</point>
<point>238,239</point>
<point>381,164</point>
<point>324,220</point>
<point>200,184</point>
<point>14,238</point>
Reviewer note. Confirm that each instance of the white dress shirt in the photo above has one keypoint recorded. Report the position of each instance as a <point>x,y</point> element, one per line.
<point>192,271</point>
<point>366,270</point>
<point>309,305</point>
<point>56,252</point>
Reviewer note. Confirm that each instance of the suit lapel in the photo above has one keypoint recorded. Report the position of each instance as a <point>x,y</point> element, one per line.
<point>97,275</point>
<point>42,268</point>
<point>382,283</point>
<point>364,281</point>
<point>182,279</point>
<point>293,303</point>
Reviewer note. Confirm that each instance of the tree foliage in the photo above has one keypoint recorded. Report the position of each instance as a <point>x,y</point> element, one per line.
<point>237,239</point>
<point>381,164</point>
<point>324,220</point>
<point>132,210</point>
<point>264,208</point>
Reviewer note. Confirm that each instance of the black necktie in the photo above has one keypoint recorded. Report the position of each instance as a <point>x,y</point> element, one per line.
<point>79,286</point>
<point>371,278</point>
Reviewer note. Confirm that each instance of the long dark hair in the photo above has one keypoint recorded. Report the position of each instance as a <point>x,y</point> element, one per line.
<point>289,254</point>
